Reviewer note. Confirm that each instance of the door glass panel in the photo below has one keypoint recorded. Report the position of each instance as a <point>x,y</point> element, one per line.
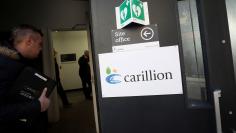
<point>231,13</point>
<point>192,51</point>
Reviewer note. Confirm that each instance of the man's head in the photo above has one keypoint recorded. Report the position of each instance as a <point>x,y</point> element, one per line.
<point>86,53</point>
<point>27,40</point>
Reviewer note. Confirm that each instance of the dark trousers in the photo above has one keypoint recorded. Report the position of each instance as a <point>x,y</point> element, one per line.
<point>87,87</point>
<point>62,94</point>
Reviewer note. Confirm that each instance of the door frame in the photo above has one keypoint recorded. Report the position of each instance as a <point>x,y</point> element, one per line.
<point>48,65</point>
<point>216,42</point>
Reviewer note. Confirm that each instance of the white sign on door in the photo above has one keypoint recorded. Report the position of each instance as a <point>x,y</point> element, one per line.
<point>147,72</point>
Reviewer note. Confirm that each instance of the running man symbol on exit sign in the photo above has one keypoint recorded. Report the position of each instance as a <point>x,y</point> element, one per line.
<point>130,11</point>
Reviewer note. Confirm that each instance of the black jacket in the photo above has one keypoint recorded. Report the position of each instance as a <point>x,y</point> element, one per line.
<point>13,113</point>
<point>84,68</point>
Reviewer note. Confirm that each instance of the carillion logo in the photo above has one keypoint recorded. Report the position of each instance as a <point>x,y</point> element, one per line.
<point>112,76</point>
<point>142,76</point>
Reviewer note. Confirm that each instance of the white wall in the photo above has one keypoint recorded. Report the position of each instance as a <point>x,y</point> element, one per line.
<point>67,42</point>
<point>231,12</point>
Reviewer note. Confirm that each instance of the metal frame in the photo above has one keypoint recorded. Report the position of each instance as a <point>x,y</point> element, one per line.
<point>217,95</point>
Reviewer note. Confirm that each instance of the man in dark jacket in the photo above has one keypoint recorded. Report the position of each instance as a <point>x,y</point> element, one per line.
<point>16,116</point>
<point>85,75</point>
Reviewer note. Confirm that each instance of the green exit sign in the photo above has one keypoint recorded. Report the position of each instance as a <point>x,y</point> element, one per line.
<point>130,11</point>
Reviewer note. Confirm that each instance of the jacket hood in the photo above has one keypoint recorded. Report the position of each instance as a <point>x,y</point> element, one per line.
<point>10,53</point>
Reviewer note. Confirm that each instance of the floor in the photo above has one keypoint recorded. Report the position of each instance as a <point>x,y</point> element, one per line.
<point>79,118</point>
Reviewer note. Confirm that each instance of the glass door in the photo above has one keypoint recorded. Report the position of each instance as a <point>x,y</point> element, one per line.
<point>193,54</point>
<point>209,54</point>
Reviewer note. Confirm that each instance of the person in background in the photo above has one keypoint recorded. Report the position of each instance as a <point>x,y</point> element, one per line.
<point>60,89</point>
<point>16,116</point>
<point>85,75</point>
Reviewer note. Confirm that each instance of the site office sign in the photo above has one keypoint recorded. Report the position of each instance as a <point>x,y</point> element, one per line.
<point>147,72</point>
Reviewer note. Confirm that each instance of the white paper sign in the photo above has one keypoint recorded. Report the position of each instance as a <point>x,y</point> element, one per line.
<point>137,46</point>
<point>153,71</point>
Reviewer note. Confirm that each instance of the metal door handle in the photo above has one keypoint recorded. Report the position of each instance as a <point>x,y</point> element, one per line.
<point>217,95</point>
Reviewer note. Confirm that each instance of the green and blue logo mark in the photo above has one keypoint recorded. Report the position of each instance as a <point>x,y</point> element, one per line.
<point>113,77</point>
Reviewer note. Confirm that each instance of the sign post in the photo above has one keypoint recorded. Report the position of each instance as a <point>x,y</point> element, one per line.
<point>136,38</point>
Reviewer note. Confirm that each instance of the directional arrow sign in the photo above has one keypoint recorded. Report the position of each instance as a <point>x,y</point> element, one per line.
<point>147,33</point>
<point>132,38</point>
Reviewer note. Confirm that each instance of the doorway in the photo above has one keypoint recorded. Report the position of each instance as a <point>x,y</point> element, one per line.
<point>69,46</point>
